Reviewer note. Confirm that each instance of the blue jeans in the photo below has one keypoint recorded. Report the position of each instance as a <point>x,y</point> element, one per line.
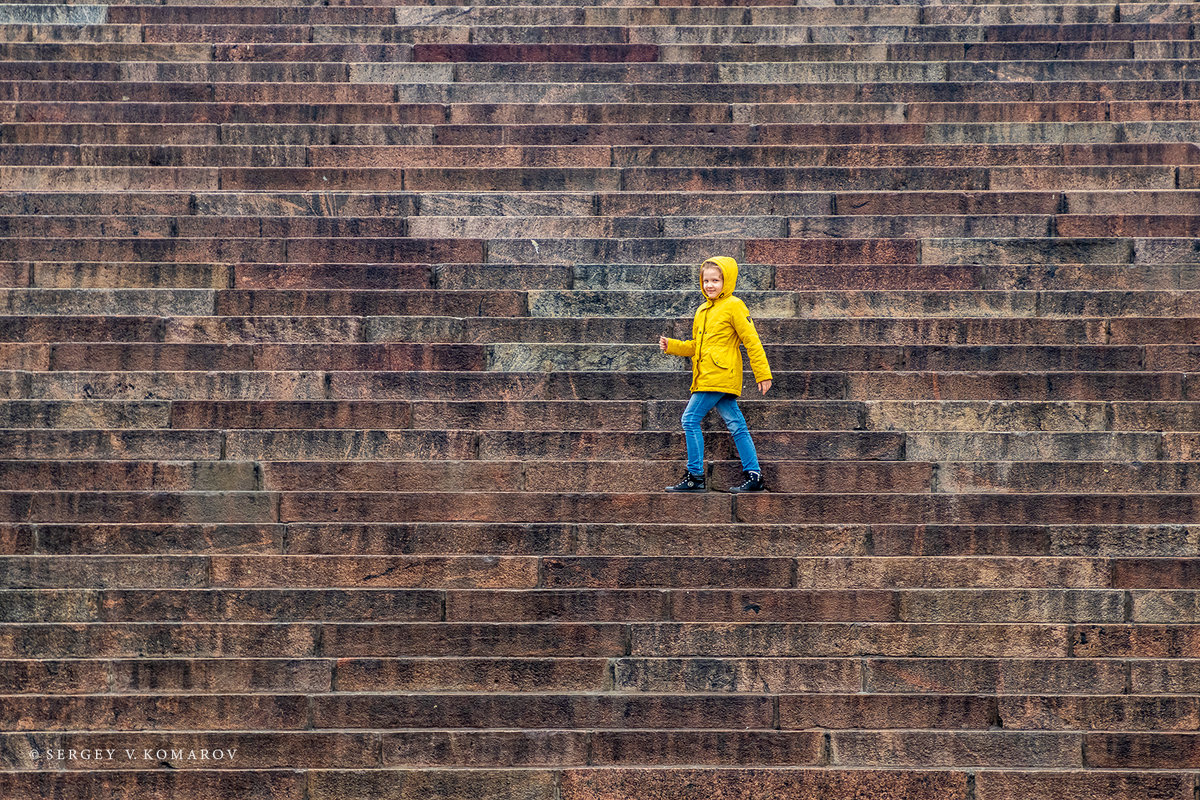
<point>726,405</point>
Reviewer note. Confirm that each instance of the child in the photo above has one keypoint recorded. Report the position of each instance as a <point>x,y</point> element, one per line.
<point>720,325</point>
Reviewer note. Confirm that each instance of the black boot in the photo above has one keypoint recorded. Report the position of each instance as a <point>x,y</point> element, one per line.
<point>753,483</point>
<point>690,483</point>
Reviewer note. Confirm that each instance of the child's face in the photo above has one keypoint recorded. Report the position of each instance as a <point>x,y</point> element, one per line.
<point>712,280</point>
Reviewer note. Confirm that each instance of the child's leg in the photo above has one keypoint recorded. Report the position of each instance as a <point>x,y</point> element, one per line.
<point>727,407</point>
<point>697,407</point>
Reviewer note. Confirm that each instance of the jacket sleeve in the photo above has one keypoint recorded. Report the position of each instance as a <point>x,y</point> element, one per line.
<point>754,349</point>
<point>683,349</point>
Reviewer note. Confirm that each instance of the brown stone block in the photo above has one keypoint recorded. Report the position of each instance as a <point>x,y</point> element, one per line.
<point>608,605</point>
<point>486,748</point>
<point>1126,225</point>
<point>81,329</point>
<point>472,675</point>
<point>964,203</point>
<point>536,415</point>
<point>567,572</point>
<point>1156,573</point>
<point>268,605</point>
<point>991,676</point>
<point>1012,605</point>
<point>761,784</point>
<point>1172,357</point>
<point>473,639</point>
<point>481,572</point>
<point>199,640</point>
<point>112,444</point>
<point>157,356</point>
<point>191,751</point>
<point>331,276</point>
<point>343,444</point>
<point>16,539</point>
<point>847,639</point>
<point>128,475</point>
<point>1142,750</point>
<point>220,675</point>
<point>1135,641</point>
<point>542,711</point>
<point>159,712</point>
<point>1052,385</point>
<point>705,674</point>
<point>436,538</point>
<point>1172,676</point>
<point>732,748</point>
<point>49,676</point>
<point>872,276</point>
<point>155,571</point>
<point>853,251</point>
<point>509,179</point>
<point>126,507</point>
<point>227,33</point>
<point>263,302</point>
<point>975,112</point>
<point>955,748</point>
<point>430,784</point>
<point>783,606</point>
<point>459,157</point>
<point>531,53</point>
<point>900,572</point>
<point>154,785</point>
<point>49,606</point>
<point>308,52</point>
<point>883,711</point>
<point>186,538</point>
<point>24,356</point>
<point>494,507</point>
<point>1180,446</point>
<point>1099,713</point>
<point>313,179</point>
<point>209,414</point>
<point>291,476</point>
<point>1080,785</point>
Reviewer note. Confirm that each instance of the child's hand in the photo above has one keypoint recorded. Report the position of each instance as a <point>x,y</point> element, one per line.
<point>662,343</point>
<point>763,386</point>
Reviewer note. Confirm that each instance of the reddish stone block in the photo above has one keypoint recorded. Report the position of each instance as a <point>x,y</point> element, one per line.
<point>706,674</point>
<point>199,640</point>
<point>783,606</point>
<point>1100,713</point>
<point>430,784</point>
<point>1080,785</point>
<point>608,605</point>
<point>761,784</point>
<point>160,712</point>
<point>473,639</point>
<point>51,676</point>
<point>1156,573</point>
<point>882,711</point>
<point>1142,751</point>
<point>315,302</point>
<point>472,675</point>
<point>667,572</point>
<point>155,785</point>
<point>844,251</point>
<point>459,157</point>
<point>541,711</point>
<point>1135,641</point>
<point>591,53</point>
<point>722,748</point>
<point>486,748</point>
<point>331,276</point>
<point>481,572</point>
<point>220,675</point>
<point>994,676</point>
<point>955,749</point>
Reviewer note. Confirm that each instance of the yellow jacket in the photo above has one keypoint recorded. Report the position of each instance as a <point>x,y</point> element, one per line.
<point>719,326</point>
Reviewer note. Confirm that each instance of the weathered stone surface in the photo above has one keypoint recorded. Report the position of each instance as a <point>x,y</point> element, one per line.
<point>195,640</point>
<point>993,676</point>
<point>363,571</point>
<point>472,674</point>
<point>474,639</point>
<point>955,748</point>
<point>425,784</point>
<point>841,639</point>
<point>1124,713</point>
<point>759,784</point>
<point>1141,750</point>
<point>857,711</point>
<point>1079,785</point>
<point>155,785</point>
<point>566,572</point>
<point>1003,605</point>
<point>737,674</point>
<point>220,675</point>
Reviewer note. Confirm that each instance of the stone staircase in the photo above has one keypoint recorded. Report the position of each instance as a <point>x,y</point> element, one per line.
<point>333,423</point>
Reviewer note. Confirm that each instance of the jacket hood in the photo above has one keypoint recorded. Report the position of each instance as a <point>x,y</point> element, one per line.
<point>729,269</point>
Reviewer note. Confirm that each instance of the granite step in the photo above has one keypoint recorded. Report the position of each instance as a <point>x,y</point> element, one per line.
<point>576,385</point>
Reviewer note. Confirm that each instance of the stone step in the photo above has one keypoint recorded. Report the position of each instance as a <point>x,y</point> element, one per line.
<point>575,385</point>
<point>720,203</point>
<point>300,134</point>
<point>789,358</point>
<point>603,539</point>
<point>270,357</point>
<point>170,476</point>
<point>342,640</point>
